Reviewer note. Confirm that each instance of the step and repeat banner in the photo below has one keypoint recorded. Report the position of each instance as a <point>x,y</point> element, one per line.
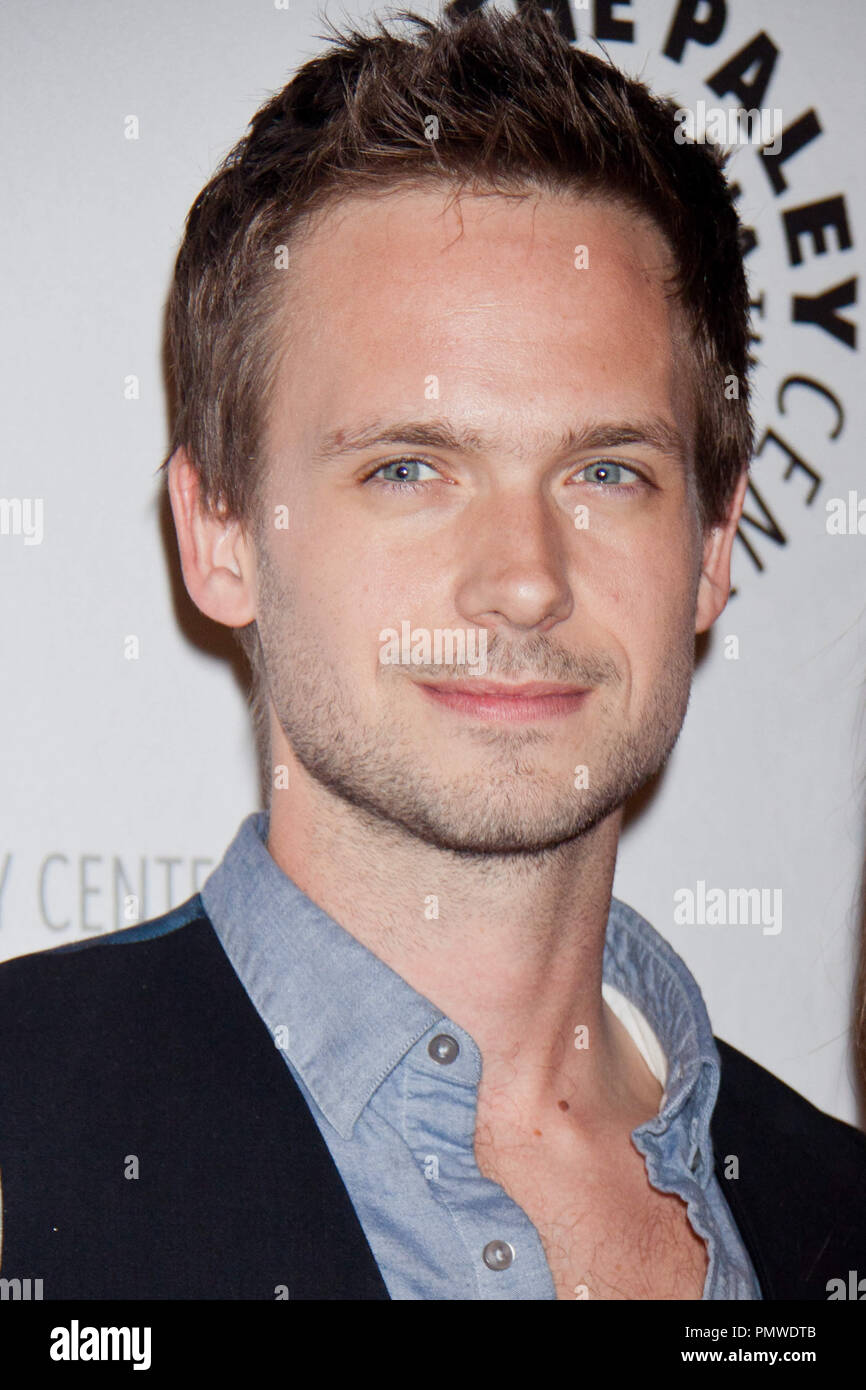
<point>129,759</point>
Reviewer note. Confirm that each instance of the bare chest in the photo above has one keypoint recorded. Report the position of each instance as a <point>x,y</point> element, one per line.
<point>606,1232</point>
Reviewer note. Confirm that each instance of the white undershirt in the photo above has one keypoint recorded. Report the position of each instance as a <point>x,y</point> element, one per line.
<point>638,1030</point>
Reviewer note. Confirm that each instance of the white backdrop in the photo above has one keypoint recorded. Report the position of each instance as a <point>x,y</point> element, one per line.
<point>131,776</point>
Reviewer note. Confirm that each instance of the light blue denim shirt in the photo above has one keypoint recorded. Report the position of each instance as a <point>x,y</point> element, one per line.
<point>392,1085</point>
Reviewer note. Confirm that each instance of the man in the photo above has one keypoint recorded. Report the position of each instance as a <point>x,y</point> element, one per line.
<point>450,331</point>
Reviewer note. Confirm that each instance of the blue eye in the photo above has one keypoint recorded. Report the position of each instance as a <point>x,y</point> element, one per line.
<point>610,473</point>
<point>406,470</point>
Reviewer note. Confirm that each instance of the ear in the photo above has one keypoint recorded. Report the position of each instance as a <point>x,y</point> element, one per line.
<point>715,582</point>
<point>216,557</point>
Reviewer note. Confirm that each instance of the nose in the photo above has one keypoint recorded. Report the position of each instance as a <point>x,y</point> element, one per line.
<point>515,574</point>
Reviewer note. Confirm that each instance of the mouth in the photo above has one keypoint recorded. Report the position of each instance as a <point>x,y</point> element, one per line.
<point>508,703</point>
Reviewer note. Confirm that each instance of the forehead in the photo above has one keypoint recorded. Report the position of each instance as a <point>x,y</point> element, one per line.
<point>545,308</point>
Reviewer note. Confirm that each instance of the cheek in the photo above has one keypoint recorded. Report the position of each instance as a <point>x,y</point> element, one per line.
<point>362,589</point>
<point>340,548</point>
<point>643,596</point>
<point>335,598</point>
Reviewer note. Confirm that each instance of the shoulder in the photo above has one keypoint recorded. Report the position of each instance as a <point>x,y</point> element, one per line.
<point>755,1100</point>
<point>794,1178</point>
<point>95,977</point>
<point>152,1009</point>
<point>156,927</point>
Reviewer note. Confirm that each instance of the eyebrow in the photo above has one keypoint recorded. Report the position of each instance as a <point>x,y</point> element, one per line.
<point>654,433</point>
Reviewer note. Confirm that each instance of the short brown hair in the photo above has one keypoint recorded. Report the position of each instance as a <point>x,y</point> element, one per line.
<point>519,109</point>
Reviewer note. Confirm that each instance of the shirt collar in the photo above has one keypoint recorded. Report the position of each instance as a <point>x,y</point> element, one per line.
<point>646,969</point>
<point>345,1038</point>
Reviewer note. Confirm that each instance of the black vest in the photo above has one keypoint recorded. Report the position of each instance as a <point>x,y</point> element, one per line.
<point>141,1051</point>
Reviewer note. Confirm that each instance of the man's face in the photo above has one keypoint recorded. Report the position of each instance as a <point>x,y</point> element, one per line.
<point>483,319</point>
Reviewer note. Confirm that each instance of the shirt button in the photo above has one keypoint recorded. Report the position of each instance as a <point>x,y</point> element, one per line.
<point>498,1254</point>
<point>443,1048</point>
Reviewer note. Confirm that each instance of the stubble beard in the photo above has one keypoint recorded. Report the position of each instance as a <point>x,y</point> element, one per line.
<point>507,801</point>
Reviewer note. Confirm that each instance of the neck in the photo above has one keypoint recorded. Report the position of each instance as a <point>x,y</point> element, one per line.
<point>509,947</point>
